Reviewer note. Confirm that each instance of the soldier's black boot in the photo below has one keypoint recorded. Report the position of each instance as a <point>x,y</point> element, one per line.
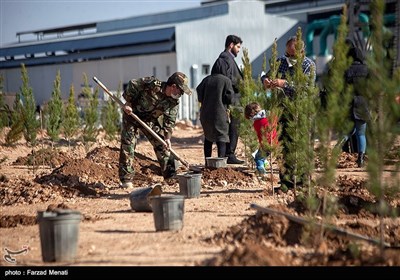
<point>360,159</point>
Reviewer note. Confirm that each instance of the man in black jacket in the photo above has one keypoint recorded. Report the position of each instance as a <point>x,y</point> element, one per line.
<point>226,65</point>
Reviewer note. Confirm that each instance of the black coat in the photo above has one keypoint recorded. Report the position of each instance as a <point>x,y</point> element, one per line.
<point>215,93</point>
<point>226,65</point>
<point>356,75</point>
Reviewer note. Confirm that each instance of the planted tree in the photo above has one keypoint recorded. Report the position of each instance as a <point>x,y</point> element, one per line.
<point>249,91</point>
<point>71,116</point>
<point>300,111</point>
<point>273,103</point>
<point>5,113</point>
<point>252,91</point>
<point>55,110</point>
<point>333,118</point>
<point>17,122</point>
<point>28,108</point>
<point>110,117</point>
<point>275,95</point>
<point>91,115</point>
<point>24,115</point>
<point>380,92</point>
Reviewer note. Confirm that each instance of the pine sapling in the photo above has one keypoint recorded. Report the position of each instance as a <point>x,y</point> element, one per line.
<point>55,110</point>
<point>28,108</point>
<point>71,116</point>
<point>333,117</point>
<point>4,110</point>
<point>111,117</point>
<point>17,122</point>
<point>299,111</point>
<point>380,91</point>
<point>91,113</point>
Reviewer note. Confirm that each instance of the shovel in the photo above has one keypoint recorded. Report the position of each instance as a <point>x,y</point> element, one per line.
<point>144,125</point>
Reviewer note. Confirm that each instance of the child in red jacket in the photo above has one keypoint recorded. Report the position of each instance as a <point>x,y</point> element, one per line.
<point>266,133</point>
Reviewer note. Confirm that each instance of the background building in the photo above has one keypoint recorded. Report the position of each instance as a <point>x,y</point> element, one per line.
<point>185,40</point>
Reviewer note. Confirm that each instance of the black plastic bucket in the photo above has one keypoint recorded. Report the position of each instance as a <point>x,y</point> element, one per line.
<point>168,212</point>
<point>216,162</point>
<point>59,233</point>
<point>140,198</point>
<point>190,185</point>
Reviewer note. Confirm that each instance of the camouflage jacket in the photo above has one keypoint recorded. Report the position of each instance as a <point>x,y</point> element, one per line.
<point>149,102</point>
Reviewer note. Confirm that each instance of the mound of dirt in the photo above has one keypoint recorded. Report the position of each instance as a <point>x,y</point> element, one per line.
<point>46,157</point>
<point>251,243</point>
<point>348,160</point>
<point>345,160</point>
<point>249,254</point>
<point>89,176</point>
<point>23,191</point>
<point>98,171</point>
<point>226,174</point>
<point>8,221</point>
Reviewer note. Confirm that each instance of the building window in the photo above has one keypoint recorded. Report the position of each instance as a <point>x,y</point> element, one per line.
<point>205,69</point>
<point>154,71</point>
<point>168,71</point>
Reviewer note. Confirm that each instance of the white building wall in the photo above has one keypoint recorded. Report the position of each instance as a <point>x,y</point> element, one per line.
<point>201,41</point>
<point>41,80</point>
<point>110,72</point>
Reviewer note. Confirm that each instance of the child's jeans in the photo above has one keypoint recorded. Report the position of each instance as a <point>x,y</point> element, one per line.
<point>260,161</point>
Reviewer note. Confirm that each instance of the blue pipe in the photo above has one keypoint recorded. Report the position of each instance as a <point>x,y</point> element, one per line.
<point>365,28</point>
<point>328,29</point>
<point>330,25</point>
<point>311,28</point>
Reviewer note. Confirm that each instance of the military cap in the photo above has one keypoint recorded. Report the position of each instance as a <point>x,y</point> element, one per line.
<point>180,79</point>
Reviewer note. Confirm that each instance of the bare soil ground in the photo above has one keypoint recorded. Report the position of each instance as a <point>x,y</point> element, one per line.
<point>220,228</point>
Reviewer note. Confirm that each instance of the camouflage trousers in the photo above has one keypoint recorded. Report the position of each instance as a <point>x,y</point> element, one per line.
<point>129,137</point>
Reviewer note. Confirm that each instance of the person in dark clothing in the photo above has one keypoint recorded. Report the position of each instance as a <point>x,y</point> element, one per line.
<point>359,112</point>
<point>215,94</point>
<point>226,65</point>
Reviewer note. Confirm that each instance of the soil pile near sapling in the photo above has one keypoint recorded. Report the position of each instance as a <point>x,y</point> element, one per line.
<point>214,176</point>
<point>354,198</point>
<point>345,160</point>
<point>348,160</point>
<point>89,176</point>
<point>264,239</point>
<point>23,191</point>
<point>229,174</point>
<point>44,157</point>
<point>98,171</point>
<point>8,221</point>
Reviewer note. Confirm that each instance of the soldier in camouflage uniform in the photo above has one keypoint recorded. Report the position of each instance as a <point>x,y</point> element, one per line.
<point>156,104</point>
